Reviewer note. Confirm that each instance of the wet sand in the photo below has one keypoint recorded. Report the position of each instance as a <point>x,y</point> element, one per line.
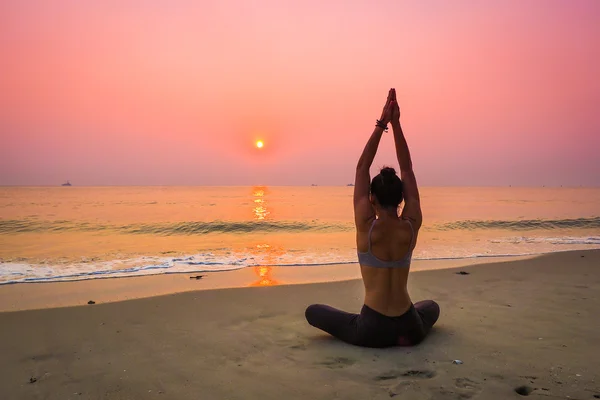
<point>529,323</point>
<point>63,294</point>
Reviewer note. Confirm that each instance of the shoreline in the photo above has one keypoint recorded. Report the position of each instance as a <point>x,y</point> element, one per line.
<point>43,295</point>
<point>480,258</point>
<point>483,259</point>
<point>23,296</point>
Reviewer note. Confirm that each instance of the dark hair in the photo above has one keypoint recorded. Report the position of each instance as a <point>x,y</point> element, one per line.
<point>387,188</point>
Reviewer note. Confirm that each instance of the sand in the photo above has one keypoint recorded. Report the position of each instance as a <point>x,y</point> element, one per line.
<point>526,323</point>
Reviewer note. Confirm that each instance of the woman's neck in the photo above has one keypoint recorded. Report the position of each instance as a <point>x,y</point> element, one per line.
<point>387,213</point>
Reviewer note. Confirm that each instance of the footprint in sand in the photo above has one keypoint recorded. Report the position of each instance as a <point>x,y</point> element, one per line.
<point>414,383</point>
<point>412,373</point>
<point>411,383</point>
<point>419,374</point>
<point>407,382</point>
<point>465,383</point>
<point>337,362</point>
<point>464,388</point>
<point>291,342</point>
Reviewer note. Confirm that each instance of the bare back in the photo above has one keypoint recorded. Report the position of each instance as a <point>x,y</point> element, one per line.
<point>392,241</point>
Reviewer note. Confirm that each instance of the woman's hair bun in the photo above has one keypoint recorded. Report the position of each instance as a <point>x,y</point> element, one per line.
<point>388,172</point>
<point>387,188</point>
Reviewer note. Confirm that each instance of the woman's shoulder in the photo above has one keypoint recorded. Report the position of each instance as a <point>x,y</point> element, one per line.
<point>406,229</point>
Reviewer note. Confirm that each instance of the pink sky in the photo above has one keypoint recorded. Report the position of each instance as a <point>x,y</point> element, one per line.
<point>175,92</point>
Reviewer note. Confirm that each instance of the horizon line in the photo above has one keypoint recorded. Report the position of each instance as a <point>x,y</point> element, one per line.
<point>305,185</point>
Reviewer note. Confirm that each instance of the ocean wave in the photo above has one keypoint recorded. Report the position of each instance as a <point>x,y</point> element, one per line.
<point>566,240</point>
<point>530,224</point>
<point>8,226</point>
<point>170,229</point>
<point>21,272</point>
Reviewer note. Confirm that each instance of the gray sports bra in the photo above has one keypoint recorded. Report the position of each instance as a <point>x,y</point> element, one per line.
<point>368,259</point>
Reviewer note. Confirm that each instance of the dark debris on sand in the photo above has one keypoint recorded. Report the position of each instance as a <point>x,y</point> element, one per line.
<point>197,277</point>
<point>91,302</point>
<point>524,390</point>
<point>463,273</point>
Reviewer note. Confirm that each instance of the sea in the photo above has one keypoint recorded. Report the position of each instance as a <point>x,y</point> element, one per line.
<point>50,234</point>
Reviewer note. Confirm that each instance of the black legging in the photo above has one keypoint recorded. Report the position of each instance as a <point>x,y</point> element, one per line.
<point>373,329</point>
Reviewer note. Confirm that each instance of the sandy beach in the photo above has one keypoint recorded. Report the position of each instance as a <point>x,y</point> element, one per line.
<point>527,323</point>
<point>181,181</point>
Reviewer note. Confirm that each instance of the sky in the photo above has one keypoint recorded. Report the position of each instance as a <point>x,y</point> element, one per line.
<point>149,92</point>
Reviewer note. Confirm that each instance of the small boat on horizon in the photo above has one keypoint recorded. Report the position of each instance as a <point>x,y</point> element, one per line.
<point>67,183</point>
<point>350,184</point>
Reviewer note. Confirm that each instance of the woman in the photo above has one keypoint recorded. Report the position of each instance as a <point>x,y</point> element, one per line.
<point>385,243</point>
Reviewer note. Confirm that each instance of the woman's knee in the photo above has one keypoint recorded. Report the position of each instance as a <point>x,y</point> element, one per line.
<point>312,312</point>
<point>429,310</point>
<point>435,311</point>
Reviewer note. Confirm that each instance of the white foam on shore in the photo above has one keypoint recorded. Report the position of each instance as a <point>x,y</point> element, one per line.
<point>20,272</point>
<point>566,240</point>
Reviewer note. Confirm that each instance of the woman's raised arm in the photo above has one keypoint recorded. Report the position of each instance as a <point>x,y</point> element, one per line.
<point>412,201</point>
<point>363,210</point>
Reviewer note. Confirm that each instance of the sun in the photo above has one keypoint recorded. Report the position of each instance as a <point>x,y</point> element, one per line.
<point>259,144</point>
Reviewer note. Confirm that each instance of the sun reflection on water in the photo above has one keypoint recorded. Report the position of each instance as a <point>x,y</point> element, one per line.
<point>265,272</point>
<point>264,276</point>
<point>260,209</point>
<point>264,251</point>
